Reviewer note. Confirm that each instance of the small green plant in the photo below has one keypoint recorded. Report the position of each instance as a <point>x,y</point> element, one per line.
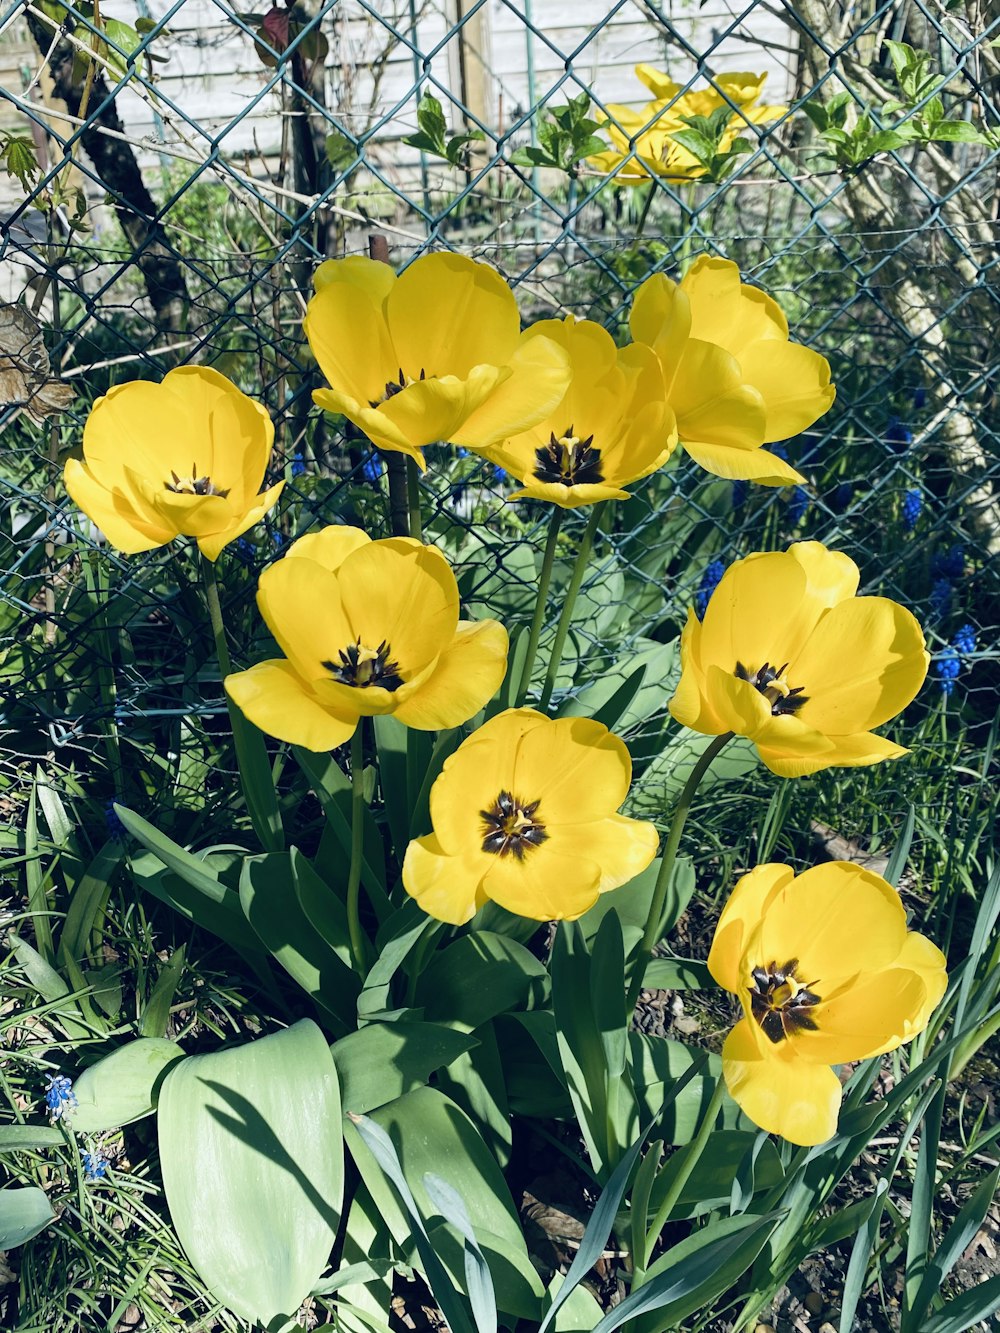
<point>565,138</point>
<point>432,134</point>
<point>705,138</point>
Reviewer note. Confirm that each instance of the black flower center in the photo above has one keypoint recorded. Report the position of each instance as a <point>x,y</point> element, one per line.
<point>511,826</point>
<point>569,460</point>
<point>194,485</point>
<point>393,387</point>
<point>362,667</point>
<point>770,682</point>
<point>780,1003</point>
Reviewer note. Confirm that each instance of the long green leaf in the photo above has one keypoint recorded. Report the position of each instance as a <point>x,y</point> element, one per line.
<point>37,881</point>
<point>87,902</point>
<point>381,1061</point>
<point>961,1312</point>
<point>123,1086</point>
<point>191,869</point>
<point>253,1167</point>
<point>24,1212</point>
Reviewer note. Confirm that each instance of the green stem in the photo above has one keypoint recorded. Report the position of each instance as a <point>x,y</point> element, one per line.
<point>100,587</point>
<point>687,220</point>
<point>413,499</point>
<point>565,619</point>
<point>692,1153</point>
<point>541,601</point>
<point>653,922</point>
<point>251,750</point>
<point>357,849</point>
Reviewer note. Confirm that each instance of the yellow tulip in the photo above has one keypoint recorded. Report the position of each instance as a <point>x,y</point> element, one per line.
<point>788,656</point>
<point>826,972</point>
<point>612,427</point>
<point>434,355</point>
<point>182,458</point>
<point>525,814</point>
<point>733,378</point>
<point>366,627</point>
<point>649,131</point>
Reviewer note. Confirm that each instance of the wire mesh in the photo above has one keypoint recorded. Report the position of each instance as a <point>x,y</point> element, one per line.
<point>208,188</point>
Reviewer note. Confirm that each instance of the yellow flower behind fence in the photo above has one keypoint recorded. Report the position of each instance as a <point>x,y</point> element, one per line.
<point>732,377</point>
<point>366,627</point>
<point>826,972</point>
<point>435,354</point>
<point>525,815</point>
<point>182,458</point>
<point>789,656</point>
<point>650,129</point>
<point>612,427</point>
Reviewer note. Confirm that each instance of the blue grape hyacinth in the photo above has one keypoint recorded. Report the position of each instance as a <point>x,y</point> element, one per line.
<point>965,640</point>
<point>95,1167</point>
<point>59,1097</point>
<point>711,575</point>
<point>947,667</point>
<point>913,503</point>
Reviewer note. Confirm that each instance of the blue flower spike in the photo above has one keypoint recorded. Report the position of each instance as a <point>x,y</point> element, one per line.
<point>913,503</point>
<point>713,572</point>
<point>965,640</point>
<point>95,1167</point>
<point>60,1098</point>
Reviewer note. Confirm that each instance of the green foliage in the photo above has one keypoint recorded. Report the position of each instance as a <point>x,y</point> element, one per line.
<point>432,134</point>
<point>17,153</point>
<point>565,138</point>
<point>705,139</point>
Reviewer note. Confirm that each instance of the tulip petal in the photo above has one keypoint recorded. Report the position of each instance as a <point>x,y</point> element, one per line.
<point>302,607</point>
<point>794,382</point>
<point>578,769</point>
<point>111,511</point>
<point>727,312</point>
<point>330,546</point>
<point>432,410</point>
<point>237,431</point>
<point>794,1098</point>
<point>735,464</point>
<point>872,1014</point>
<point>372,276</point>
<point>711,402</point>
<point>276,700</point>
<point>689,705</point>
<point>212,545</point>
<point>446,887</point>
<point>661,318</point>
<point>832,576</point>
<point>762,611</point>
<point>404,594</point>
<point>838,920</point>
<point>567,497</point>
<point>349,339</point>
<point>468,674</point>
<point>373,422</point>
<point>538,380</point>
<point>858,751</point>
<point>620,847</point>
<point>740,918</point>
<point>547,884</point>
<point>862,665</point>
<point>447,313</point>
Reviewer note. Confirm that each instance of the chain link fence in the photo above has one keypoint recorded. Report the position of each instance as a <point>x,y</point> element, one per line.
<point>178,170</point>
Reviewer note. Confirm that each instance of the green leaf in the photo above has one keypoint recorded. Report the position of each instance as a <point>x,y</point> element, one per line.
<point>45,979</point>
<point>689,1276</point>
<point>478,1282</point>
<point>23,1138</point>
<point>20,161</point>
<point>710,1184</point>
<point>341,151</point>
<point>431,121</point>
<point>962,1312</point>
<point>656,1062</point>
<point>24,1212</point>
<point>477,977</point>
<point>382,1061</point>
<point>123,1086</point>
<point>660,785</point>
<point>956,131</point>
<point>818,113</point>
<point>288,935</point>
<point>87,902</point>
<point>253,1167</point>
<point>324,910</point>
<point>37,881</point>
<point>957,1239</point>
<point>678,974</point>
<point>430,1134</point>
<point>156,1012</point>
<point>191,869</point>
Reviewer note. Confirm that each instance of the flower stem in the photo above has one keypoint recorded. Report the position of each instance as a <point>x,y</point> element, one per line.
<point>691,1155</point>
<point>653,922</point>
<point>562,629</point>
<point>357,848</point>
<point>541,600</point>
<point>251,750</point>
<point>413,498</point>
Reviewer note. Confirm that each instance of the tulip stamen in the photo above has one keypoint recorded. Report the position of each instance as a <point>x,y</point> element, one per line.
<point>568,460</point>
<point>393,387</point>
<point>770,682</point>
<point>780,1002</point>
<point>510,826</point>
<point>361,667</point>
<point>194,485</point>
